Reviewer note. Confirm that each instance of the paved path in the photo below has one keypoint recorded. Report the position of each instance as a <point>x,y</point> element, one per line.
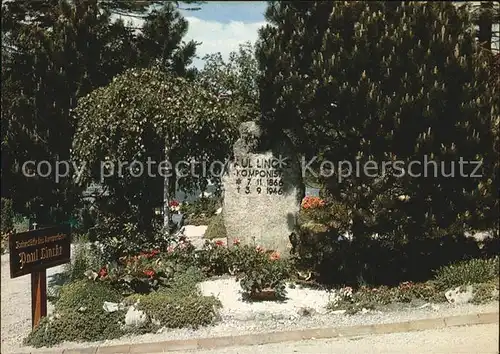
<point>482,339</point>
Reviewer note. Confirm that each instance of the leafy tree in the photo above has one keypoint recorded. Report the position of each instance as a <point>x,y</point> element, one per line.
<point>235,80</point>
<point>149,114</point>
<point>55,52</point>
<point>384,81</point>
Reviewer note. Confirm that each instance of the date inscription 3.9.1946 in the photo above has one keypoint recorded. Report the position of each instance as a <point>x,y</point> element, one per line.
<point>262,176</point>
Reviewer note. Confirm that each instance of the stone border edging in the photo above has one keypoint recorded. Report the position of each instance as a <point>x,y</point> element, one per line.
<point>287,336</point>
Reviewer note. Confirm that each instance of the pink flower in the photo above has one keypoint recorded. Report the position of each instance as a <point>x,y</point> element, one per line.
<point>103,272</point>
<point>236,242</point>
<point>274,256</point>
<point>259,249</point>
<point>219,243</point>
<point>170,249</point>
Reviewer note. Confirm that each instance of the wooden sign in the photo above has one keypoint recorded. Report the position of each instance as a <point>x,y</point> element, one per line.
<point>40,249</point>
<point>32,252</point>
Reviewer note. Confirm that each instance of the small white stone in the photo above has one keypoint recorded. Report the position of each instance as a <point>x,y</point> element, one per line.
<point>135,317</point>
<point>460,295</point>
<point>110,306</point>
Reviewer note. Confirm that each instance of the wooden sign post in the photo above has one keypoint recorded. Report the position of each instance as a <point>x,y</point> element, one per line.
<point>32,252</point>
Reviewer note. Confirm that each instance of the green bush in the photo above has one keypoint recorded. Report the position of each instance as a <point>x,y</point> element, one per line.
<point>86,293</point>
<point>184,311</point>
<point>122,235</point>
<point>260,271</point>
<point>486,292</point>
<point>372,298</point>
<point>7,221</point>
<point>79,316</point>
<point>214,258</point>
<point>216,228</point>
<point>180,304</point>
<point>85,256</point>
<point>473,271</point>
<point>200,212</point>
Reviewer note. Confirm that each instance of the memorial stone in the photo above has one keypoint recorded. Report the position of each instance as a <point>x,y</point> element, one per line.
<point>263,189</point>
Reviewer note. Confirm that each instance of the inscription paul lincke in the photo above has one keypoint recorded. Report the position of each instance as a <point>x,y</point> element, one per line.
<point>261,176</point>
<point>39,249</point>
<point>37,254</point>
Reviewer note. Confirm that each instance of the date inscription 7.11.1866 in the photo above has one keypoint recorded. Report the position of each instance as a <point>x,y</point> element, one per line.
<point>40,249</point>
<point>262,176</point>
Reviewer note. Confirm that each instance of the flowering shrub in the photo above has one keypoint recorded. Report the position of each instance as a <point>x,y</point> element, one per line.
<point>312,202</point>
<point>147,271</point>
<point>214,258</point>
<point>369,298</point>
<point>256,269</point>
<point>174,206</point>
<point>260,271</point>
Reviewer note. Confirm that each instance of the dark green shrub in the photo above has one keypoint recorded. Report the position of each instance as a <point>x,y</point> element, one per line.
<point>486,292</point>
<point>7,221</point>
<point>79,316</point>
<point>184,283</point>
<point>371,298</point>
<point>190,310</point>
<point>216,228</point>
<point>393,101</point>
<point>122,235</point>
<point>179,304</point>
<point>200,212</point>
<point>473,271</point>
<point>86,293</point>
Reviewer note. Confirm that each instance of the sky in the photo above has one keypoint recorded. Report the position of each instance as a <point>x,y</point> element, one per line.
<point>222,25</point>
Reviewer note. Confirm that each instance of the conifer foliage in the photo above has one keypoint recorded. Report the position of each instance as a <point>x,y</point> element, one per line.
<point>386,81</point>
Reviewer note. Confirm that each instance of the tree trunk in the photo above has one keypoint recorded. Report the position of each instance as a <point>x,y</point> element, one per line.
<point>166,195</point>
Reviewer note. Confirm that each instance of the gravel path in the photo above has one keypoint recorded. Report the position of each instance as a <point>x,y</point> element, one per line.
<point>247,318</point>
<point>471,339</point>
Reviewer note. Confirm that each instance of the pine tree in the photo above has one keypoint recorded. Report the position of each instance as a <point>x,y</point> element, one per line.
<point>55,52</point>
<point>385,81</point>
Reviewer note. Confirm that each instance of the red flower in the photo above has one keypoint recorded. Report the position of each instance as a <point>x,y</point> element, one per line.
<point>173,203</point>
<point>236,242</point>
<point>103,272</point>
<point>155,252</point>
<point>219,243</point>
<point>274,256</point>
<point>149,272</point>
<point>312,202</point>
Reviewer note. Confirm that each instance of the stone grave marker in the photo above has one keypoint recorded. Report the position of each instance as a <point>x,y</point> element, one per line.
<point>263,189</point>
